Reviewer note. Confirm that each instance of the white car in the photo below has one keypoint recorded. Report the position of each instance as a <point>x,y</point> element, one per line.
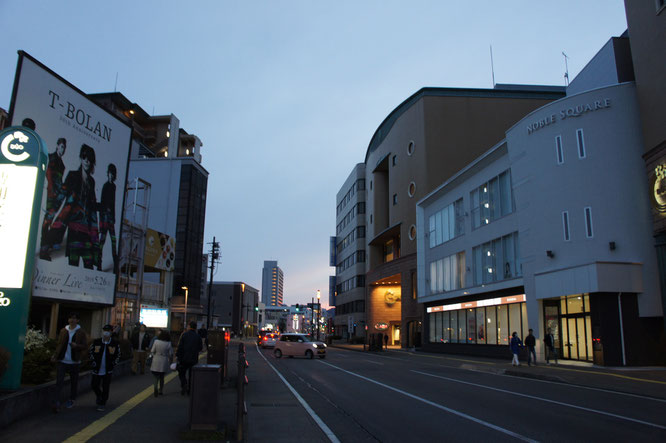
<point>269,340</point>
<point>299,345</point>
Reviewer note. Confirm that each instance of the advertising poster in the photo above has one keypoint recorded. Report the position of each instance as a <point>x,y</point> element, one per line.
<point>81,212</point>
<point>160,250</point>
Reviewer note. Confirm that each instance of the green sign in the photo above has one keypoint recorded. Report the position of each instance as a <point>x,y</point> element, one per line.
<point>23,159</point>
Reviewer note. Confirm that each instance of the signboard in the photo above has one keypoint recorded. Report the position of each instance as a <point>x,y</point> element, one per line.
<point>160,250</point>
<point>154,317</point>
<point>479,303</point>
<point>23,158</point>
<point>81,206</point>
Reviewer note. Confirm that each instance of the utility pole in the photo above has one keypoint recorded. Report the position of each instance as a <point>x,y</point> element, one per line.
<point>214,255</point>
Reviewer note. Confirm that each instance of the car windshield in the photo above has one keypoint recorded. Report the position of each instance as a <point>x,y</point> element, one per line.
<point>305,337</point>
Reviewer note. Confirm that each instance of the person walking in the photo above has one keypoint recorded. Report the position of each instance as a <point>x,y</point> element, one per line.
<point>386,341</point>
<point>162,353</point>
<point>530,342</point>
<point>549,342</point>
<point>140,347</point>
<point>72,341</point>
<point>104,355</point>
<point>187,354</point>
<point>515,345</point>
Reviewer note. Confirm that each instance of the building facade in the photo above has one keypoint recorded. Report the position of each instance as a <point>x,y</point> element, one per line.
<point>272,284</point>
<point>549,230</point>
<point>235,307</point>
<point>423,142</point>
<point>349,256</point>
<point>169,159</point>
<point>647,33</point>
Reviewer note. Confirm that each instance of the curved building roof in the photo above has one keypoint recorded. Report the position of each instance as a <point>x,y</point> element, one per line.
<point>500,91</point>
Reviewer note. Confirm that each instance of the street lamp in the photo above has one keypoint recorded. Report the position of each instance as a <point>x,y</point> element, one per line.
<point>318,310</point>
<point>185,322</point>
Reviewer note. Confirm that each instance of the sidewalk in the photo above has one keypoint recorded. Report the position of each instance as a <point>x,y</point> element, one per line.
<point>646,381</point>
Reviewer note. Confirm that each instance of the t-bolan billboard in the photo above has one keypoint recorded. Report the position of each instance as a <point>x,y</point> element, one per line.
<point>81,212</point>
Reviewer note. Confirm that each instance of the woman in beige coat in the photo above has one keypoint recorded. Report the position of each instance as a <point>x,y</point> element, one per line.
<point>162,353</point>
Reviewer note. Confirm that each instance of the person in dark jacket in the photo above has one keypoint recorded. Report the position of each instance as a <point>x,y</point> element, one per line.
<point>54,196</point>
<point>549,342</point>
<point>107,215</point>
<point>72,342</point>
<point>530,342</point>
<point>104,355</point>
<point>515,345</point>
<point>140,348</point>
<point>187,354</point>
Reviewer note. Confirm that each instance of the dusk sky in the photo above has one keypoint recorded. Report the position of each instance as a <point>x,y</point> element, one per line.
<point>285,95</point>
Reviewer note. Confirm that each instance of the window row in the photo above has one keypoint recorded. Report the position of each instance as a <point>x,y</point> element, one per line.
<point>349,239</point>
<point>351,307</point>
<point>492,200</point>
<point>448,273</point>
<point>497,260</point>
<point>347,285</point>
<point>358,186</point>
<point>489,325</point>
<point>587,216</point>
<point>356,257</point>
<point>447,223</point>
<point>359,208</point>
<point>580,145</point>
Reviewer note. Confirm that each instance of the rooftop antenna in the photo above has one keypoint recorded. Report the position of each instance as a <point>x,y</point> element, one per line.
<point>492,65</point>
<point>566,68</point>
<point>115,87</point>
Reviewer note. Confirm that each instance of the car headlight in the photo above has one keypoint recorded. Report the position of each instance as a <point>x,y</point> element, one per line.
<point>314,345</point>
<point>324,344</point>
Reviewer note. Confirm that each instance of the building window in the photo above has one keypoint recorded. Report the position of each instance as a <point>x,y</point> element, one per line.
<point>410,148</point>
<point>588,222</point>
<point>388,251</point>
<point>412,232</point>
<point>395,199</point>
<point>448,273</point>
<point>394,160</point>
<point>565,225</point>
<point>360,184</point>
<point>497,260</point>
<point>558,150</point>
<point>492,200</point>
<point>371,185</point>
<point>446,224</point>
<point>411,190</point>
<point>581,143</point>
<point>370,218</point>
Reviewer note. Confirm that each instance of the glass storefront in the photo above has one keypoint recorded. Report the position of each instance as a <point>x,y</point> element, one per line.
<point>569,321</point>
<point>490,324</point>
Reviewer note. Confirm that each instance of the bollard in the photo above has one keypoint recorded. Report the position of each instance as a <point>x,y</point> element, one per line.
<point>204,397</point>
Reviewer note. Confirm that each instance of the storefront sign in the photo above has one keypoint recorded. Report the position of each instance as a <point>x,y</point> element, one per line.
<point>573,111</point>
<point>381,326</point>
<point>479,303</point>
<point>154,317</point>
<point>390,297</point>
<point>23,159</point>
<point>160,251</point>
<point>659,188</point>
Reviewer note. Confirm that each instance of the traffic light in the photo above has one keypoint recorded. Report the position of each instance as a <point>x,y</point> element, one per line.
<point>298,307</point>
<point>256,308</point>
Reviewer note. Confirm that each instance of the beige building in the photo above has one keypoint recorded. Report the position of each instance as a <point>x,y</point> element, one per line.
<point>423,142</point>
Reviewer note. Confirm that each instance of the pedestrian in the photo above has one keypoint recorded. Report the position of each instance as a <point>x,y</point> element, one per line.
<point>104,355</point>
<point>140,348</point>
<point>549,342</point>
<point>162,353</point>
<point>386,341</point>
<point>203,333</point>
<point>187,353</point>
<point>516,345</point>
<point>72,342</point>
<point>530,342</point>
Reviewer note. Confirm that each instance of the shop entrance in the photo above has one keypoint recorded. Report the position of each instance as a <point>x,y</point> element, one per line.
<point>395,334</point>
<point>569,321</point>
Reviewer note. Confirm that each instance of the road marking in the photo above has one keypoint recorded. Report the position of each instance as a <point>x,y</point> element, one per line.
<point>570,385</point>
<point>436,405</point>
<point>544,400</point>
<point>331,436</point>
<point>107,420</point>
<point>374,362</point>
<point>610,374</point>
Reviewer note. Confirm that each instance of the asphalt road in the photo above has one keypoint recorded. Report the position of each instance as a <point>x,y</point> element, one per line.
<point>359,397</point>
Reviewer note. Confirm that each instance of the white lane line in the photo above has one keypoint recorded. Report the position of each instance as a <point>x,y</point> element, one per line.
<point>331,436</point>
<point>596,411</point>
<point>436,405</point>
<point>569,385</point>
<point>374,362</point>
